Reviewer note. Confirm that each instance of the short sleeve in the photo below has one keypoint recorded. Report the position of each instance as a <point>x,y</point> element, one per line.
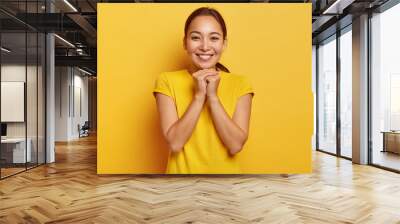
<point>162,85</point>
<point>245,87</point>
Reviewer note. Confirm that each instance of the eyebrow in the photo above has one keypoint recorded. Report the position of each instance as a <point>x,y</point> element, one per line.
<point>210,33</point>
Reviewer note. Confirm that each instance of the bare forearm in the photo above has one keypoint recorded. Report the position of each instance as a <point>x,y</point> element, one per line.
<point>232,136</point>
<point>180,132</point>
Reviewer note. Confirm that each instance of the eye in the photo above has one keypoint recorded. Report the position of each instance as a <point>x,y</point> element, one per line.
<point>215,38</point>
<point>195,38</point>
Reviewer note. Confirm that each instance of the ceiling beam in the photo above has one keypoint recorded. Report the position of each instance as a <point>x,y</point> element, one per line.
<point>337,6</point>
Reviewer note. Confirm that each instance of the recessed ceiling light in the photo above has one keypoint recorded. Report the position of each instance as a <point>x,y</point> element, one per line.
<point>64,40</point>
<point>71,6</point>
<point>84,71</point>
<point>5,50</point>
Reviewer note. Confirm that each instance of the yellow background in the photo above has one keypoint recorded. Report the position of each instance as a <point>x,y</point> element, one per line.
<point>268,43</point>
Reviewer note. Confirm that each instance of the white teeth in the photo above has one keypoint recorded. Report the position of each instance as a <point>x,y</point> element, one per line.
<point>204,56</point>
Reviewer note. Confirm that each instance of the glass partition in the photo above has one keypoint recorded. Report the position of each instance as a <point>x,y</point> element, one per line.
<point>22,88</point>
<point>385,89</point>
<point>32,95</point>
<point>327,95</point>
<point>41,107</point>
<point>14,154</point>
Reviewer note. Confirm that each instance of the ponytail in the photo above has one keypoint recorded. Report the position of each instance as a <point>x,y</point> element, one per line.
<point>221,67</point>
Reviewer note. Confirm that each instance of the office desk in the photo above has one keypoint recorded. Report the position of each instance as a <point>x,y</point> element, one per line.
<point>391,141</point>
<point>15,148</point>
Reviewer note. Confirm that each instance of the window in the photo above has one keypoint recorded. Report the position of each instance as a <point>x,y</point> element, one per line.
<point>346,93</point>
<point>327,95</point>
<point>385,88</point>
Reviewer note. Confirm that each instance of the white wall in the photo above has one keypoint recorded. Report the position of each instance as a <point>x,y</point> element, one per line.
<point>62,80</point>
<point>80,84</point>
<point>71,93</point>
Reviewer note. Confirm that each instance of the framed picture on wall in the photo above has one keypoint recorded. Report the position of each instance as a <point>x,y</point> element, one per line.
<point>12,101</point>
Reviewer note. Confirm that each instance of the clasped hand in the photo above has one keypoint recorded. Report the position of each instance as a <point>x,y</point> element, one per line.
<point>207,81</point>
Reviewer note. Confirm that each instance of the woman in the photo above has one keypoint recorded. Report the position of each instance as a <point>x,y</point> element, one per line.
<point>204,110</point>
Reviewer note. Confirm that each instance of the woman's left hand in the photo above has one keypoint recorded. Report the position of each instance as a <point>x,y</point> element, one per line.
<point>212,85</point>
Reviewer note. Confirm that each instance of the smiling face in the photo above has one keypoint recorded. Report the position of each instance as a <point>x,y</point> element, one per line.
<point>204,42</point>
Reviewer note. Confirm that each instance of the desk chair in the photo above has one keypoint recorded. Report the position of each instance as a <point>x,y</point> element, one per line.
<point>84,130</point>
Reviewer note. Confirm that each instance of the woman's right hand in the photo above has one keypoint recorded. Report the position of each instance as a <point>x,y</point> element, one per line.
<point>201,84</point>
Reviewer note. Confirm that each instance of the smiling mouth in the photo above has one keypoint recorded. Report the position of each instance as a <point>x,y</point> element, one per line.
<point>204,57</point>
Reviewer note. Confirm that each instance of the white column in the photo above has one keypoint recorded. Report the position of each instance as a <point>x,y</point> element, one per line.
<point>360,90</point>
<point>50,92</point>
<point>50,100</point>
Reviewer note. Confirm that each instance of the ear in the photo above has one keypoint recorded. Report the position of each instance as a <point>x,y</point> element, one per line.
<point>184,43</point>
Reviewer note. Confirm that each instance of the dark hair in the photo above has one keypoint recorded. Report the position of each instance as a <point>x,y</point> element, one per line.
<point>207,11</point>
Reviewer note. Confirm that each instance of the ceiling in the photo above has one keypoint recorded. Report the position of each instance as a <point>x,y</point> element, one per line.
<point>76,22</point>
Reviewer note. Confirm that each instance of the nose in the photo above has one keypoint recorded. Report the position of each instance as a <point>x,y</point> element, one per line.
<point>205,46</point>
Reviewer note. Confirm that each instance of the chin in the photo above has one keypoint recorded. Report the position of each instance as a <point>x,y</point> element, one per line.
<point>205,66</point>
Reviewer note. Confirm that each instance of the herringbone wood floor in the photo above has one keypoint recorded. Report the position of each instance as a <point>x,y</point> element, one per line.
<point>69,191</point>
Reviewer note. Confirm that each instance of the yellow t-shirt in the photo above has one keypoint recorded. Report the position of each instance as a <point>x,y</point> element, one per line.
<point>204,152</point>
